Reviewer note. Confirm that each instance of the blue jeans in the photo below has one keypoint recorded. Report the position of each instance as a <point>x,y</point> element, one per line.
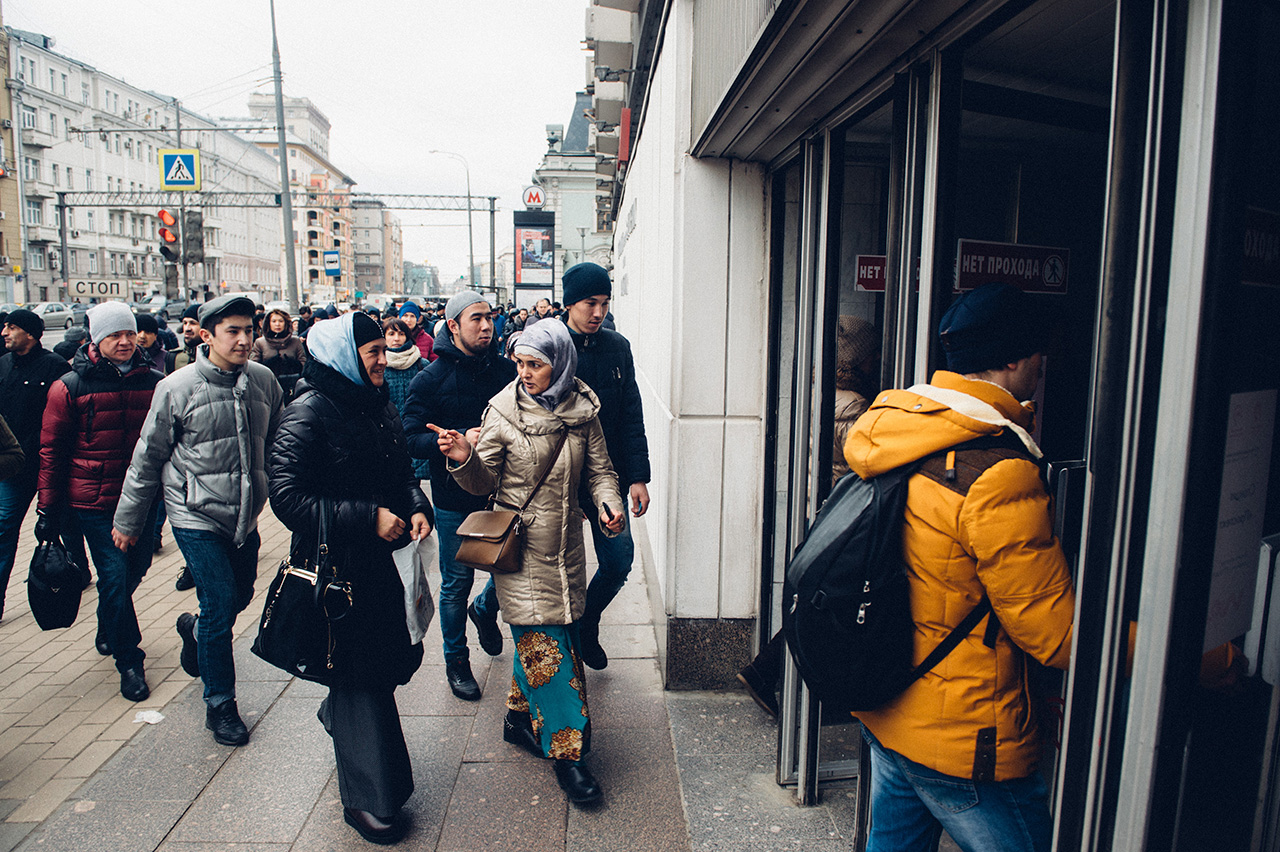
<point>16,495</point>
<point>911,805</point>
<point>118,577</point>
<point>224,576</point>
<point>614,556</point>
<point>455,588</point>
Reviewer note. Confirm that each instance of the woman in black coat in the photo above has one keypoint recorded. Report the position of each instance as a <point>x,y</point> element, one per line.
<point>341,438</point>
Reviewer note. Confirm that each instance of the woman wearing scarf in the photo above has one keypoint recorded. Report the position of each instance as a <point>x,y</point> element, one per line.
<point>280,351</point>
<point>341,439</point>
<point>404,361</point>
<point>547,703</point>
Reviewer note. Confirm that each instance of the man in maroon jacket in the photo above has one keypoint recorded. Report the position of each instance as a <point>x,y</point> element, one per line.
<point>92,421</point>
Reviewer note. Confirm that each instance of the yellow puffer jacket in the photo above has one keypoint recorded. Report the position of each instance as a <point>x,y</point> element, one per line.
<point>971,716</point>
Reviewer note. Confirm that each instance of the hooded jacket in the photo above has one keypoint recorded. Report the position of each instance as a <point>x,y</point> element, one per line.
<point>92,421</point>
<point>971,716</point>
<point>606,365</point>
<point>205,444</point>
<point>517,439</point>
<point>452,392</point>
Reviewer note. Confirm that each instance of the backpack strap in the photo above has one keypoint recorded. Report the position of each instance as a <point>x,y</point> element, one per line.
<point>957,469</point>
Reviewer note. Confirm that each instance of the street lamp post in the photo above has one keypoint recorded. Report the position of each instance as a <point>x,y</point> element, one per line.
<point>471,244</point>
<point>582,244</point>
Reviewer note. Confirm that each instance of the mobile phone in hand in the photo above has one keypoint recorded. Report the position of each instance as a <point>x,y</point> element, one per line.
<point>608,513</point>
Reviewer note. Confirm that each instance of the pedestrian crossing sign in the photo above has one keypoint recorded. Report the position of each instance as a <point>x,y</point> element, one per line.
<point>180,169</point>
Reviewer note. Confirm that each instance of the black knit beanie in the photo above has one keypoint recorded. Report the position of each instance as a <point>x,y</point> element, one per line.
<point>989,327</point>
<point>584,280</point>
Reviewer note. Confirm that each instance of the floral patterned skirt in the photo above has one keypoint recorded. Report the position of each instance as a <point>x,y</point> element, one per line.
<point>548,684</point>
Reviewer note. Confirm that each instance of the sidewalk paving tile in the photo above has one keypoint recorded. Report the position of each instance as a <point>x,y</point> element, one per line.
<point>511,806</point>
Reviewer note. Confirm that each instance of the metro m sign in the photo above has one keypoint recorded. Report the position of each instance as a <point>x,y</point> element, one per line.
<point>534,199</point>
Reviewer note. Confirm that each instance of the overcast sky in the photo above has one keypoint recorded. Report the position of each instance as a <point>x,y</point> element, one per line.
<point>396,78</point>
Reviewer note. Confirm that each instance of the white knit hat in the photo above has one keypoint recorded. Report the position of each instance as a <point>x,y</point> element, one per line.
<point>108,318</point>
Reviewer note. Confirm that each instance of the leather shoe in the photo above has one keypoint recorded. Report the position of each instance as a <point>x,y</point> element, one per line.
<point>589,650</point>
<point>224,721</point>
<point>487,630</point>
<point>185,580</point>
<point>517,730</point>
<point>189,657</point>
<point>133,685</point>
<point>577,782</point>
<point>375,829</point>
<point>461,681</point>
<point>100,642</point>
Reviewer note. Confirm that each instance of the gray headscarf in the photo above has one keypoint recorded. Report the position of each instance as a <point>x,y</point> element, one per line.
<point>550,343</point>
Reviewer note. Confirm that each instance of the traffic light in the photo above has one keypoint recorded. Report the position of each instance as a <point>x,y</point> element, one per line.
<point>169,236</point>
<point>193,237</point>
<point>171,281</point>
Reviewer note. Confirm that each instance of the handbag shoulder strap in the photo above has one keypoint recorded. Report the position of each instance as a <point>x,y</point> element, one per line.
<point>564,433</point>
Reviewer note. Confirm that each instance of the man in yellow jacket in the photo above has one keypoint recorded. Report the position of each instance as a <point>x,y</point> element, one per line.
<point>958,749</point>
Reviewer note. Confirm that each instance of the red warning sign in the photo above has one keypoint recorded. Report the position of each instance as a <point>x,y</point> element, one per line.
<point>1033,269</point>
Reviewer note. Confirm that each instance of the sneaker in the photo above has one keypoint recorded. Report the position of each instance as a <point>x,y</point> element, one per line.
<point>224,721</point>
<point>487,629</point>
<point>461,681</point>
<point>589,650</point>
<point>190,657</point>
<point>133,685</point>
<point>185,580</point>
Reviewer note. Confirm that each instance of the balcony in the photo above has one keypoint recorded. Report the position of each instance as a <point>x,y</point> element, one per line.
<point>34,137</point>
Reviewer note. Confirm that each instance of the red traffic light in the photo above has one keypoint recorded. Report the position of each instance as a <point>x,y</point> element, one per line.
<point>168,236</point>
<point>168,218</point>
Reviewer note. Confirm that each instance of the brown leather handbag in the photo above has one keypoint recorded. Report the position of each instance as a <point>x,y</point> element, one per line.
<point>491,539</point>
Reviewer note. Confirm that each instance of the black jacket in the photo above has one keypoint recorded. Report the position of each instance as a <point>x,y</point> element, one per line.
<point>344,441</point>
<point>24,387</point>
<point>605,364</point>
<point>452,392</point>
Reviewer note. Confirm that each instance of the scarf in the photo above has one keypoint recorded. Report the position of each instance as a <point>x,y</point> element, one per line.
<point>550,343</point>
<point>403,357</point>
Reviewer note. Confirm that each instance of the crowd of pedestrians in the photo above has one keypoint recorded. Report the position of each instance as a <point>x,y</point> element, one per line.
<point>129,426</point>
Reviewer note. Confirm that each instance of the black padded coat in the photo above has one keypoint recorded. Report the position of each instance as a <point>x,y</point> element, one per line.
<point>344,441</point>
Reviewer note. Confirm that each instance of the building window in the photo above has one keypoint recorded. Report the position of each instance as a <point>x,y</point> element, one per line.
<point>88,217</point>
<point>30,168</point>
<point>88,178</point>
<point>57,176</point>
<point>64,85</point>
<point>117,139</point>
<point>84,93</point>
<point>111,262</point>
<point>69,178</point>
<point>28,117</point>
<point>53,123</point>
<point>66,128</point>
<point>35,212</point>
<point>93,263</point>
<point>37,259</point>
<point>53,80</point>
<point>72,263</point>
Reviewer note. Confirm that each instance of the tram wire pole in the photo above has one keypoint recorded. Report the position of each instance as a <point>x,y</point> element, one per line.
<point>286,201</point>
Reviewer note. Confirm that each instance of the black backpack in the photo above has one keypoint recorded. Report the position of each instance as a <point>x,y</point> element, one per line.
<point>846,610</point>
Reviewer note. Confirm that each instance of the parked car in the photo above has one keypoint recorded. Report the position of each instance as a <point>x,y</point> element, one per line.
<point>78,312</point>
<point>161,308</point>
<point>54,314</point>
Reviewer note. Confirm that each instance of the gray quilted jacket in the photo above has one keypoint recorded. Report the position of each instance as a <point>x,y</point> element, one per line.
<point>205,442</point>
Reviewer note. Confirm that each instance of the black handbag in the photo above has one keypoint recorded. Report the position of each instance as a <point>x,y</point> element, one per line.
<point>54,585</point>
<point>295,633</point>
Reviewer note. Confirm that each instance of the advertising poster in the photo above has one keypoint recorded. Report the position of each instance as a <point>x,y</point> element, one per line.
<point>535,254</point>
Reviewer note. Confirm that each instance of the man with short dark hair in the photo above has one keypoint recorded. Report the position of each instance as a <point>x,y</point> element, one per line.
<point>190,338</point>
<point>95,413</point>
<point>978,525</point>
<point>452,393</point>
<point>27,371</point>
<point>606,365</point>
<point>204,444</point>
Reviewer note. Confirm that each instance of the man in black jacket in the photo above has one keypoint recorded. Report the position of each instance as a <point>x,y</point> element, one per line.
<point>452,393</point>
<point>605,364</point>
<point>27,370</point>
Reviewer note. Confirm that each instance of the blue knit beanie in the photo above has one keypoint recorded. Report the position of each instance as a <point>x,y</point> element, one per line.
<point>989,327</point>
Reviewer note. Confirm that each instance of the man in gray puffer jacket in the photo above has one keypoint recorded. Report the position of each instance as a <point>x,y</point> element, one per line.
<point>204,444</point>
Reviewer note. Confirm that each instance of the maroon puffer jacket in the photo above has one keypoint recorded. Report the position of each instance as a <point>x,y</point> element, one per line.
<point>91,423</point>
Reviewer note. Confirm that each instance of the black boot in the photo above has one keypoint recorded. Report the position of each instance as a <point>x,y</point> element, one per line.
<point>461,681</point>
<point>376,829</point>
<point>189,656</point>
<point>577,782</point>
<point>224,720</point>
<point>589,649</point>
<point>133,684</point>
<point>100,642</point>
<point>487,629</point>
<point>517,729</point>
<point>185,580</point>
